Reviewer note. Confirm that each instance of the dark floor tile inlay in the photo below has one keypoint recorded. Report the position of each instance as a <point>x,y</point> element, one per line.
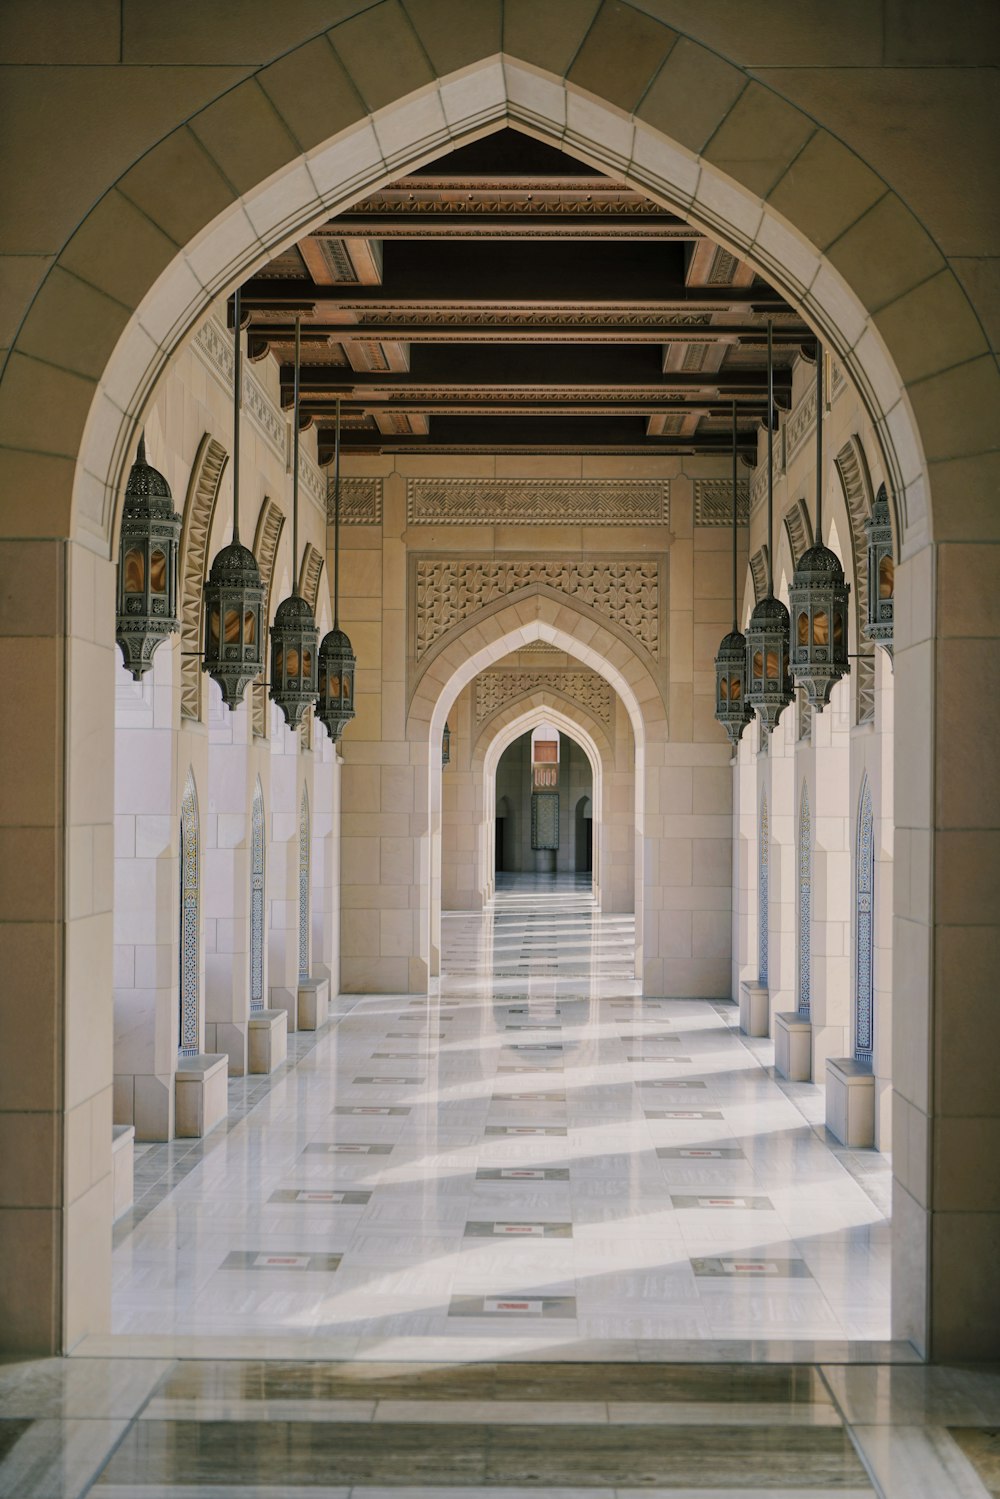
<point>536,1457</point>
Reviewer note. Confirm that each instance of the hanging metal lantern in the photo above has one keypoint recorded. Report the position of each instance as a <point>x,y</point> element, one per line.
<point>881,573</point>
<point>768,681</point>
<point>294,659</point>
<point>732,709</point>
<point>818,599</point>
<point>337,660</point>
<point>234,622</point>
<point>446,745</point>
<point>294,636</point>
<point>818,596</point>
<point>234,593</point>
<point>147,567</point>
<point>337,663</point>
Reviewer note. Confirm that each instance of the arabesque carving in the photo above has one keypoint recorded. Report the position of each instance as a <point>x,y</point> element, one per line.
<point>265,548</point>
<point>594,502</point>
<point>449,592</point>
<point>855,480</point>
<point>496,689</point>
<point>309,575</point>
<point>199,509</point>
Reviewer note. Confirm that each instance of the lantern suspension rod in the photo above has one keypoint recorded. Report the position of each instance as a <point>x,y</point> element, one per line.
<point>336,523</point>
<point>295,454</point>
<point>735,619</point>
<point>769,456</point>
<point>237,403</point>
<point>819,443</point>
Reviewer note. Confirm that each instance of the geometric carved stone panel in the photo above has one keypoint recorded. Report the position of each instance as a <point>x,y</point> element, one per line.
<point>594,502</point>
<point>449,592</point>
<point>360,502</point>
<point>713,502</point>
<point>495,689</point>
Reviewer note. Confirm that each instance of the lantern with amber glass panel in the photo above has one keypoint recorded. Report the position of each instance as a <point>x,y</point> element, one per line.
<point>294,659</point>
<point>881,573</point>
<point>818,600</point>
<point>769,683</point>
<point>147,568</point>
<point>234,622</point>
<point>337,662</point>
<point>732,707</point>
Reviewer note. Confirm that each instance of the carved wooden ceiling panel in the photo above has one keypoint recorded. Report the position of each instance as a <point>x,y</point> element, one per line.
<point>508,298</point>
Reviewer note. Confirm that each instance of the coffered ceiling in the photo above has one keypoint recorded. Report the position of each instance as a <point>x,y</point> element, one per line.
<point>508,298</point>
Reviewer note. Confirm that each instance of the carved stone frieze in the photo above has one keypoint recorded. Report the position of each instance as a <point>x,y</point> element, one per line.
<point>713,502</point>
<point>798,529</point>
<point>496,689</point>
<point>270,523</point>
<point>855,480</point>
<point>310,574</point>
<point>199,508</point>
<point>448,592</point>
<point>758,570</point>
<point>594,502</point>
<point>214,344</point>
<point>360,501</point>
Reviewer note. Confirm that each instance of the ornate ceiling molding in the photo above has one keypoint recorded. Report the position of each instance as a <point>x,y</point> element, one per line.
<point>445,593</point>
<point>497,689</point>
<point>713,502</point>
<point>559,502</point>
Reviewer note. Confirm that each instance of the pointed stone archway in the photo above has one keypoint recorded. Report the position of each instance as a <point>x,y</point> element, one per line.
<point>321,163</point>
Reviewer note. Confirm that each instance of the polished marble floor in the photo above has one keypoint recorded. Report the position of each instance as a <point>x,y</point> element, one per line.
<point>532,1159</point>
<point>132,1428</point>
<point>529,1236</point>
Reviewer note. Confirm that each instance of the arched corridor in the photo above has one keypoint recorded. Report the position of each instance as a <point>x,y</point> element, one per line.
<point>661,1174</point>
<point>384,383</point>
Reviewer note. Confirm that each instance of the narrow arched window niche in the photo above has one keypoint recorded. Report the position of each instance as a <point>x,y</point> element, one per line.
<point>257,871</point>
<point>304,886</point>
<point>864,905</point>
<point>190,923</point>
<point>763,864</point>
<point>804,984</point>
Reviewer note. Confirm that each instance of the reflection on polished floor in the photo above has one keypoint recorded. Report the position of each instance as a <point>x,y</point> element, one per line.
<point>531,1236</point>
<point>534,1158</point>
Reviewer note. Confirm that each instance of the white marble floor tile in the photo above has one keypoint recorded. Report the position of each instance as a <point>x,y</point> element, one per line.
<point>536,999</point>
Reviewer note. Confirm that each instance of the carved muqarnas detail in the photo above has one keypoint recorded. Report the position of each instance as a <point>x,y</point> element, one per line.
<point>595,502</point>
<point>360,502</point>
<point>627,593</point>
<point>495,689</point>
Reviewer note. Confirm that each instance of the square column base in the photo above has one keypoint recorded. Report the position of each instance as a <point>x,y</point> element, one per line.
<point>313,1003</point>
<point>793,1046</point>
<point>202,1093</point>
<point>755,1007</point>
<point>122,1168</point>
<point>267,1032</point>
<point>850,1102</point>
